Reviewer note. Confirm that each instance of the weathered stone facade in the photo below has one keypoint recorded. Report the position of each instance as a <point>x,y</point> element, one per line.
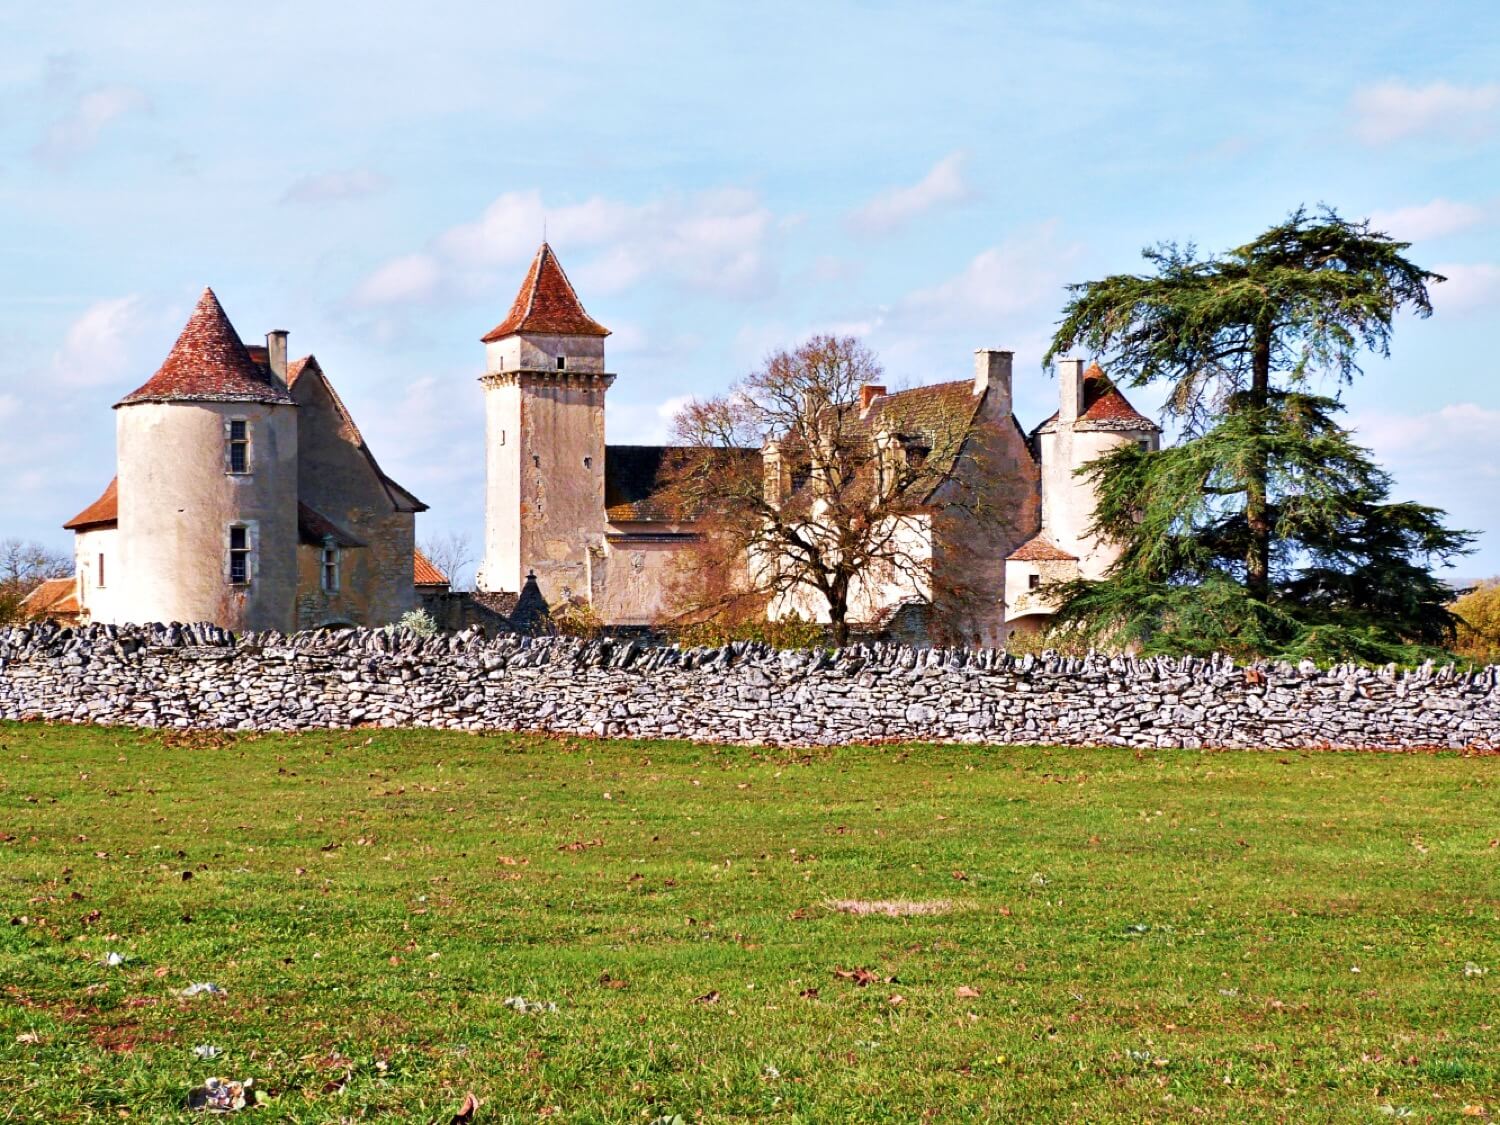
<point>202,677</point>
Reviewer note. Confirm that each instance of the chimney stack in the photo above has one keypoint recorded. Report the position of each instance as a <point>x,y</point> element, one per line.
<point>992,369</point>
<point>1070,390</point>
<point>276,354</point>
<point>868,393</point>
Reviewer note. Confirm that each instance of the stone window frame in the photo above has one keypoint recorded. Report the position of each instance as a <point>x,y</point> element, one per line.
<point>330,566</point>
<point>246,552</point>
<point>231,442</point>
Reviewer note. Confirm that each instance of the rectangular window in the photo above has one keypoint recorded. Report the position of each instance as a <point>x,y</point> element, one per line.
<point>239,555</point>
<point>239,445</point>
<point>330,569</point>
<point>562,362</point>
<point>1033,581</point>
<point>101,571</point>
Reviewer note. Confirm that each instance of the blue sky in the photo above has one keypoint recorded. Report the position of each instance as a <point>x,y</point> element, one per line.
<point>718,180</point>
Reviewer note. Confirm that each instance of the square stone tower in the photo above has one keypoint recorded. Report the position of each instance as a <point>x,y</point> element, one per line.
<point>544,386</point>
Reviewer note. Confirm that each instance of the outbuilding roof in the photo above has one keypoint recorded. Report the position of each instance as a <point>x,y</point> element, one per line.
<point>103,512</point>
<point>209,363</point>
<point>546,303</point>
<point>1040,549</point>
<point>424,573</point>
<point>55,596</point>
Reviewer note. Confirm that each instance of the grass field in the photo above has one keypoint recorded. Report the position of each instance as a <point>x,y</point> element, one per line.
<point>1109,936</point>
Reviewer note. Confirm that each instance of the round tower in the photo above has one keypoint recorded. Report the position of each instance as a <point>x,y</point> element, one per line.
<point>207,460</point>
<point>1093,418</point>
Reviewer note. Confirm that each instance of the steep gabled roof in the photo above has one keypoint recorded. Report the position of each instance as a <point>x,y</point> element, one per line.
<point>546,303</point>
<point>400,498</point>
<point>1104,407</point>
<point>209,363</point>
<point>424,573</point>
<point>101,513</point>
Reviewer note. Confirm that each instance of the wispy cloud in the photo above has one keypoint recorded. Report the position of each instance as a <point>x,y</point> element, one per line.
<point>1469,286</point>
<point>1394,110</point>
<point>1024,273</point>
<point>335,187</point>
<point>1427,220</point>
<point>715,241</point>
<point>945,185</point>
<point>81,127</point>
<point>103,343</point>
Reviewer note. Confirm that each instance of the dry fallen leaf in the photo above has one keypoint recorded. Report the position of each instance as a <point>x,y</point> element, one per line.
<point>964,992</point>
<point>895,1000</point>
<point>707,998</point>
<point>466,1111</point>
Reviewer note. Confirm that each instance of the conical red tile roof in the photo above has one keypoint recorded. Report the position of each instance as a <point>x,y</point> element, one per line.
<point>209,363</point>
<point>546,303</point>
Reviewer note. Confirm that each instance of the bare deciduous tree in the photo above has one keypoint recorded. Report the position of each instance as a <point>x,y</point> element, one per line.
<point>23,566</point>
<point>453,554</point>
<point>806,496</point>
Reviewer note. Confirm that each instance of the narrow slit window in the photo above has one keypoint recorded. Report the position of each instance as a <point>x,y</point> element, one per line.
<point>101,572</point>
<point>239,555</point>
<point>330,568</point>
<point>239,445</point>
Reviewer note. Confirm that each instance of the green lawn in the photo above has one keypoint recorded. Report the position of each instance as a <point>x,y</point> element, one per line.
<point>1116,936</point>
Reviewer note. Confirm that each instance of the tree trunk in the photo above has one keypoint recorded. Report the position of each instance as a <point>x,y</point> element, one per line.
<point>1257,508</point>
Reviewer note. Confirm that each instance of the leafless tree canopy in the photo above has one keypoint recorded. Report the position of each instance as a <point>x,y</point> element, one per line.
<point>454,555</point>
<point>23,566</point>
<point>837,494</point>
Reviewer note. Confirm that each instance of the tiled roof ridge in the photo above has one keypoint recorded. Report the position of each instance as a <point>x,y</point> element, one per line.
<point>209,363</point>
<point>546,303</point>
<point>1040,549</point>
<point>1104,405</point>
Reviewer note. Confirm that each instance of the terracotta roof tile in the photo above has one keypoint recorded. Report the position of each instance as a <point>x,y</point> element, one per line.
<point>546,303</point>
<point>424,573</point>
<point>103,511</point>
<point>209,363</point>
<point>1105,406</point>
<point>1040,549</point>
<point>53,596</point>
<point>636,480</point>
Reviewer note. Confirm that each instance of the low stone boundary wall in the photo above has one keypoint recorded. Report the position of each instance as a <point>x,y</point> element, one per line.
<point>201,677</point>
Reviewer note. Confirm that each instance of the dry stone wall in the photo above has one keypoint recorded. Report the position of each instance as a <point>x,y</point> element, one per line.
<point>202,677</point>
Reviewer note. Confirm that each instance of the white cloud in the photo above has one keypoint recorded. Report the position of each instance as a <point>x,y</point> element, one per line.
<point>1460,431</point>
<point>1469,286</point>
<point>1022,274</point>
<point>715,241</point>
<point>945,185</point>
<point>643,423</point>
<point>1393,110</point>
<point>103,344</point>
<point>1427,220</point>
<point>411,277</point>
<point>80,128</point>
<point>334,187</point>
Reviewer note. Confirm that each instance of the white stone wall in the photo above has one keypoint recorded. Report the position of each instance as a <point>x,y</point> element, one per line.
<point>100,602</point>
<point>177,502</point>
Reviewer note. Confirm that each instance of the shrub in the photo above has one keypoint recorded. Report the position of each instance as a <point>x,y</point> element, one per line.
<point>794,631</point>
<point>577,618</point>
<point>420,622</point>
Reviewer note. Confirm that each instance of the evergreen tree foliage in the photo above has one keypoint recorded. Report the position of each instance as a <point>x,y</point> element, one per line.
<point>1266,530</point>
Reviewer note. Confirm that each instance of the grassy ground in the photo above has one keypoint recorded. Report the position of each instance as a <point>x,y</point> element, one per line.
<point>1115,937</point>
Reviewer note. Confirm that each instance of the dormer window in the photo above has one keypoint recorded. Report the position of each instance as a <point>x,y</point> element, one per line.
<point>562,363</point>
<point>237,446</point>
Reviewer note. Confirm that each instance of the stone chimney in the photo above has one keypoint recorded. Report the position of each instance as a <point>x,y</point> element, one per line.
<point>276,354</point>
<point>777,479</point>
<point>992,373</point>
<point>868,393</point>
<point>1070,390</point>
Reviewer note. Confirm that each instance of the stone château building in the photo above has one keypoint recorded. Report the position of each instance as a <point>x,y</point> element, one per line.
<point>246,495</point>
